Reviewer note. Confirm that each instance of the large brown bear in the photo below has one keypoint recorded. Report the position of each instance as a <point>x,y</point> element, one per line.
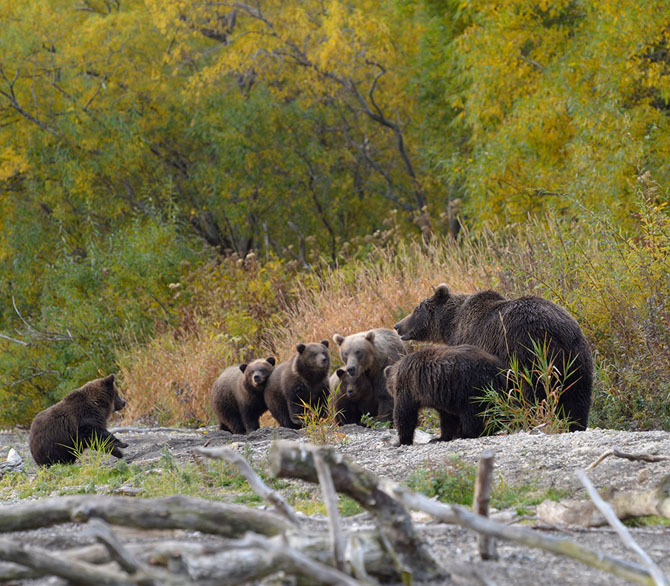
<point>370,352</point>
<point>58,433</point>
<point>237,395</point>
<point>304,377</point>
<point>352,398</point>
<point>449,379</point>
<point>507,329</point>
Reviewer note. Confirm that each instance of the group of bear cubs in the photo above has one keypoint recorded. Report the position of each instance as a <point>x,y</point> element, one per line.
<point>474,339</point>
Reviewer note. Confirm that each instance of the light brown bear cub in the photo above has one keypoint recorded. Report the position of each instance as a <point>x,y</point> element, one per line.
<point>369,353</point>
<point>352,398</point>
<point>302,378</point>
<point>237,395</point>
<point>58,433</point>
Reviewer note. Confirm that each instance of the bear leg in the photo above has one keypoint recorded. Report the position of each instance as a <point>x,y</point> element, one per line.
<point>406,418</point>
<point>449,427</point>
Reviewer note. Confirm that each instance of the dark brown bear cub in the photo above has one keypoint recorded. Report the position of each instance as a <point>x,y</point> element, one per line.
<point>352,397</point>
<point>237,395</point>
<point>508,328</point>
<point>58,433</point>
<point>304,377</point>
<point>449,379</point>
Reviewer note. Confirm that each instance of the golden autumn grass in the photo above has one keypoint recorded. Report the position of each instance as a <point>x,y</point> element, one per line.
<point>614,285</point>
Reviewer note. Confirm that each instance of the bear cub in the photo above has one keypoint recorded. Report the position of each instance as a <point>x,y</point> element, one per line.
<point>59,432</point>
<point>449,379</point>
<point>369,353</point>
<point>352,397</point>
<point>508,328</point>
<point>237,395</point>
<point>304,377</point>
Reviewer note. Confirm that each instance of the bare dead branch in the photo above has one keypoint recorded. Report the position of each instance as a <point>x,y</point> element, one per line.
<point>255,482</point>
<point>294,460</point>
<point>330,499</point>
<point>104,534</point>
<point>624,534</point>
<point>175,512</point>
<point>632,457</point>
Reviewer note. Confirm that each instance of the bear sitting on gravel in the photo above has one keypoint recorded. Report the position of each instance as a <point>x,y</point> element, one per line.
<point>59,433</point>
<point>370,352</point>
<point>352,397</point>
<point>302,378</point>
<point>450,379</point>
<point>237,395</point>
<point>507,329</point>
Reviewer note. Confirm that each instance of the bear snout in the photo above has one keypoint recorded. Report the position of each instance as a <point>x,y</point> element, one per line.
<point>350,393</point>
<point>119,404</point>
<point>258,379</point>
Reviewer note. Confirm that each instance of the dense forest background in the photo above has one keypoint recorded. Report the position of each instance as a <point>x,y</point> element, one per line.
<point>184,185</point>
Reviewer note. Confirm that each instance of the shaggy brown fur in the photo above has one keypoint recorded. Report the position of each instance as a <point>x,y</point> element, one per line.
<point>449,379</point>
<point>506,328</point>
<point>304,377</point>
<point>352,398</point>
<point>369,353</point>
<point>59,431</point>
<point>237,395</point>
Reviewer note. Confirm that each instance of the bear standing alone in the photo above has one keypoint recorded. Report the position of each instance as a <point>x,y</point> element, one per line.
<point>508,329</point>
<point>58,433</point>
<point>369,353</point>
<point>302,378</point>
<point>237,395</point>
<point>449,379</point>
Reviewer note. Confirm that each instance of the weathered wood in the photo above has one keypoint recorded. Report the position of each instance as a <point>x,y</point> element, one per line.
<point>295,460</point>
<point>101,531</point>
<point>175,512</point>
<point>624,534</point>
<point>255,482</point>
<point>47,563</point>
<point>559,546</point>
<point>633,457</point>
<point>330,498</point>
<point>626,505</point>
<point>481,500</point>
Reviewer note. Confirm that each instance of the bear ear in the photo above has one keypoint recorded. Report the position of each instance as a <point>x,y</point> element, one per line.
<point>441,292</point>
<point>272,360</point>
<point>109,380</point>
<point>340,372</point>
<point>243,367</point>
<point>338,339</point>
<point>325,343</point>
<point>370,336</point>
<point>387,371</point>
<point>300,348</point>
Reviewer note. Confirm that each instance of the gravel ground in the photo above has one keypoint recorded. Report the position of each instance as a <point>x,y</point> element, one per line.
<point>544,461</point>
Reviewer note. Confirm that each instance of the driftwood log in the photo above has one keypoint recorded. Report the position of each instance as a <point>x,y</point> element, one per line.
<point>242,544</point>
<point>626,505</point>
<point>296,460</point>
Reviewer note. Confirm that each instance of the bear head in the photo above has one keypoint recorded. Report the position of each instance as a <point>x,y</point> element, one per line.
<point>102,393</point>
<point>430,318</point>
<point>357,352</point>
<point>313,360</point>
<point>356,389</point>
<point>256,373</point>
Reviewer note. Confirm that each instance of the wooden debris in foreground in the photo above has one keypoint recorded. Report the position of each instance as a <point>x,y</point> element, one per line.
<point>481,500</point>
<point>626,505</point>
<point>632,457</point>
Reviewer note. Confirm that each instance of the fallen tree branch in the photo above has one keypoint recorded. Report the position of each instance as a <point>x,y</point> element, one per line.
<point>626,505</point>
<point>47,563</point>
<point>608,512</point>
<point>104,534</point>
<point>175,512</point>
<point>330,499</point>
<point>560,546</point>
<point>632,457</point>
<point>294,460</point>
<point>255,482</point>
